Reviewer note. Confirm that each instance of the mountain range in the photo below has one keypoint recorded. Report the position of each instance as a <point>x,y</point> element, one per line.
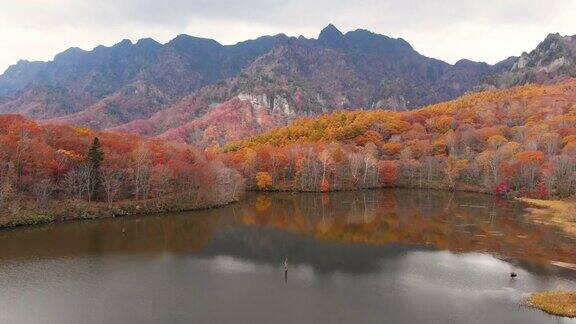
<point>202,92</point>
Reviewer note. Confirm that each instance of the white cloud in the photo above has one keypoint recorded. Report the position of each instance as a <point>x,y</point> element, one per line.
<point>488,30</point>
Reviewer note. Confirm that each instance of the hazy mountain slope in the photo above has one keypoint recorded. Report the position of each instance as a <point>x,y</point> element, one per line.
<point>136,100</point>
<point>44,102</point>
<point>359,68</point>
<point>175,69</point>
<point>307,77</point>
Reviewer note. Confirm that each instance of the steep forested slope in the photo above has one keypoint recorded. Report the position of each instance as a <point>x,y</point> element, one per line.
<point>520,140</point>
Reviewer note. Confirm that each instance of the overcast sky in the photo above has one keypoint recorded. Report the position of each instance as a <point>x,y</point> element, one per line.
<point>486,30</point>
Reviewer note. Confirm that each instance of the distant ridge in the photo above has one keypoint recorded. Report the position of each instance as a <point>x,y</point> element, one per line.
<point>182,89</point>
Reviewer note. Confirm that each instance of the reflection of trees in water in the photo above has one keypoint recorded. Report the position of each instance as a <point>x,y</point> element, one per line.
<point>263,227</point>
<point>452,221</point>
<point>144,235</point>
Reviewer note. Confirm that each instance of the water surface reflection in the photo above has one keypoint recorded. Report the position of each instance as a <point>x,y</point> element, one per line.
<point>395,256</point>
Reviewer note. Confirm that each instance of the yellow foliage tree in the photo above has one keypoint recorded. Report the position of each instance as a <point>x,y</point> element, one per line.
<point>263,180</point>
<point>452,169</point>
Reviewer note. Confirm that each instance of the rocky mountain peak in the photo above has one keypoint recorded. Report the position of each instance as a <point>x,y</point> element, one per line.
<point>552,53</point>
<point>147,42</point>
<point>330,35</point>
<point>69,53</point>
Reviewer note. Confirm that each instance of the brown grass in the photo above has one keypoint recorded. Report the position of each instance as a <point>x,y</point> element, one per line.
<point>560,213</point>
<point>560,303</point>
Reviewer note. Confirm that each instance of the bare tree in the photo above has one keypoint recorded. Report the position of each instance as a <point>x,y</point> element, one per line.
<point>162,183</point>
<point>354,165</point>
<point>42,190</point>
<point>112,183</point>
<point>85,180</point>
<point>369,160</point>
<point>564,174</point>
<point>76,182</point>
<point>7,184</point>
<point>142,172</point>
<point>228,183</point>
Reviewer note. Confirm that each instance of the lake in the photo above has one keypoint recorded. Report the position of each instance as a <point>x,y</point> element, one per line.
<point>379,256</point>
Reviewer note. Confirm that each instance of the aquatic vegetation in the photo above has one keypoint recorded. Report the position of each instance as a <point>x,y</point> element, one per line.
<point>561,303</point>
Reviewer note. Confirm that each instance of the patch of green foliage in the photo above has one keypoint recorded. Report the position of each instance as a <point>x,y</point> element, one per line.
<point>32,219</point>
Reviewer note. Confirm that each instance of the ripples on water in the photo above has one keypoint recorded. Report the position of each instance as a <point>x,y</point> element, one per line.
<point>382,256</point>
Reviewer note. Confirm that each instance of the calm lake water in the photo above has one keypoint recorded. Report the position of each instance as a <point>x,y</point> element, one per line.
<point>382,256</point>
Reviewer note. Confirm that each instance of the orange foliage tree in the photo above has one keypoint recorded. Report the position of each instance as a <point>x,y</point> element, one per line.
<point>264,180</point>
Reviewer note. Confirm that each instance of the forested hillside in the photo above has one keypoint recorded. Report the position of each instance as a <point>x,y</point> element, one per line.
<point>517,141</point>
<point>520,141</point>
<point>52,172</point>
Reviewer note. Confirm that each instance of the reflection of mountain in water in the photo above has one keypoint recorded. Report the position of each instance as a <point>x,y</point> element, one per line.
<point>314,229</point>
<point>271,246</point>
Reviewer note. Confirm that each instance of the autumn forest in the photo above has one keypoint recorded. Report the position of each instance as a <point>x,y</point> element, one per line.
<point>55,172</point>
<point>515,142</point>
<point>287,162</point>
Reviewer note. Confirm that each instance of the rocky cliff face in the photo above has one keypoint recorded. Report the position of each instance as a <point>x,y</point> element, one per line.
<point>552,60</point>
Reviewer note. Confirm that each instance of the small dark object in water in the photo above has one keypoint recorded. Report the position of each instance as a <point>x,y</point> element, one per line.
<point>123,230</point>
<point>513,274</point>
<point>286,270</point>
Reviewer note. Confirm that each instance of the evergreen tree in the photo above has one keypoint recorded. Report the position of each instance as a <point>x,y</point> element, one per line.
<point>95,158</point>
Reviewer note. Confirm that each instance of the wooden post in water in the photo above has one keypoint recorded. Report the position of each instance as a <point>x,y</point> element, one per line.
<point>286,270</point>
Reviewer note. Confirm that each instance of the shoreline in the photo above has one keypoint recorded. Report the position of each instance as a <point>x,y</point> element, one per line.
<point>559,213</point>
<point>435,188</point>
<point>91,211</point>
<point>100,210</point>
<point>557,209</point>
